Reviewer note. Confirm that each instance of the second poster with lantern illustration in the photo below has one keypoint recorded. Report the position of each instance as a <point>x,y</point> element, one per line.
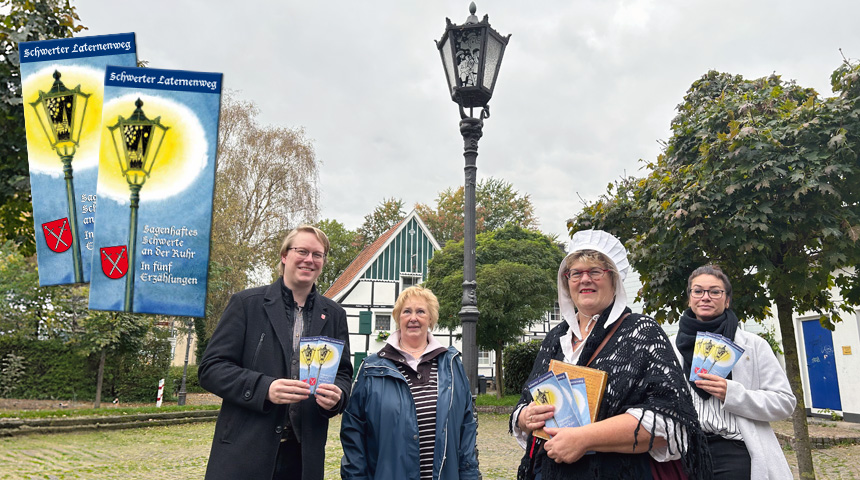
<point>155,186</point>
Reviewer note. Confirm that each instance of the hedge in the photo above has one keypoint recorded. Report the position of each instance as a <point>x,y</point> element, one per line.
<point>517,362</point>
<point>55,369</point>
<point>191,383</point>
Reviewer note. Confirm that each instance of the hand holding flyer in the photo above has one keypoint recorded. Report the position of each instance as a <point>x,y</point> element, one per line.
<point>319,358</point>
<point>546,390</point>
<point>714,354</point>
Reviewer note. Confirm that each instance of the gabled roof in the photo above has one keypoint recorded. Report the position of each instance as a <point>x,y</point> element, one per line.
<point>354,271</point>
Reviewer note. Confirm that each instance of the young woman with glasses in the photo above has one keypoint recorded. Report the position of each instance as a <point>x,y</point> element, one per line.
<point>734,412</point>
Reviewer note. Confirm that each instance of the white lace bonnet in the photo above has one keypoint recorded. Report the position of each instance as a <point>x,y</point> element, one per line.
<point>609,245</point>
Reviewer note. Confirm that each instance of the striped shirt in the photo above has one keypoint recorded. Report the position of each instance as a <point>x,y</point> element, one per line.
<point>714,419</point>
<point>425,394</point>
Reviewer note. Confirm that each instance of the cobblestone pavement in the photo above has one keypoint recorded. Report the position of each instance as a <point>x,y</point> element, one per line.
<point>840,462</point>
<point>180,453</point>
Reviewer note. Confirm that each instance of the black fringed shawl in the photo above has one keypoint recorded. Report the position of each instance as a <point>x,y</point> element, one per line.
<point>643,373</point>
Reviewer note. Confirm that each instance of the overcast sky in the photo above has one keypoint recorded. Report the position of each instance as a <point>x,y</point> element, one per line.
<point>586,89</point>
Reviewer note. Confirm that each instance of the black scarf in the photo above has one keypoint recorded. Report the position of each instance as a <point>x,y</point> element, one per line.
<point>725,325</point>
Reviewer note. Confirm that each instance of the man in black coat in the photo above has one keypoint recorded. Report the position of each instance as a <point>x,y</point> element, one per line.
<point>270,427</point>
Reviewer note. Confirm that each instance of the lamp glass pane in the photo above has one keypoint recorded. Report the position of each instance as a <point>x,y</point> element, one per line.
<point>491,59</point>
<point>60,111</point>
<point>116,135</point>
<point>81,101</point>
<point>154,145</point>
<point>136,138</point>
<point>448,62</point>
<point>468,53</point>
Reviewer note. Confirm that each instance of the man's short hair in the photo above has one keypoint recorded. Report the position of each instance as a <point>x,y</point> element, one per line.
<point>288,242</point>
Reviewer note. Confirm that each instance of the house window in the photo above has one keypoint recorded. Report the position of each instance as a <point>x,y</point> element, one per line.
<point>484,357</point>
<point>408,280</point>
<point>383,322</point>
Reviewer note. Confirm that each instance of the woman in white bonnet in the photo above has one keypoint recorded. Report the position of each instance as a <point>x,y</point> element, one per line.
<point>646,411</point>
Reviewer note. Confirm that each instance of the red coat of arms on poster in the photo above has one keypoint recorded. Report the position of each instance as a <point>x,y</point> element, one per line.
<point>114,261</point>
<point>58,235</point>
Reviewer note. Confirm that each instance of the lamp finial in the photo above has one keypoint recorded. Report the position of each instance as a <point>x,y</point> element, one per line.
<point>472,9</point>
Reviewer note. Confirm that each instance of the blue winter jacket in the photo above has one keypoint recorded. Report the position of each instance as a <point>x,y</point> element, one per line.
<point>379,429</point>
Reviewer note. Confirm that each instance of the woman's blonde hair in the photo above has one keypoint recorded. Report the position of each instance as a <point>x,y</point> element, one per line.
<point>417,292</point>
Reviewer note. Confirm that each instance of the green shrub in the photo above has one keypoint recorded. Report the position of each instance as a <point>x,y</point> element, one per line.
<point>191,383</point>
<point>132,376</point>
<point>58,370</point>
<point>518,361</point>
<point>14,368</point>
<point>54,370</point>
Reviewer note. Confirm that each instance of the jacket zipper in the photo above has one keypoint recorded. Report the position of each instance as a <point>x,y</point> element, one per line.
<point>257,351</point>
<point>448,419</point>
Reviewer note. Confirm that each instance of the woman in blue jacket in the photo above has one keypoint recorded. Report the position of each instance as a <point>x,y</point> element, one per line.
<point>410,415</point>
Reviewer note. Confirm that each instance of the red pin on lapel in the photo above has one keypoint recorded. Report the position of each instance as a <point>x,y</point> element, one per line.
<point>322,316</point>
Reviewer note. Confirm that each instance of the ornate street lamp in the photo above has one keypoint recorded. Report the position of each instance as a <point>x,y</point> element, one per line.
<point>471,54</point>
<point>61,114</point>
<point>137,141</point>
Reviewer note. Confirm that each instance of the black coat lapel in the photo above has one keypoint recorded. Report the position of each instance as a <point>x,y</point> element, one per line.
<point>273,305</point>
<point>319,316</point>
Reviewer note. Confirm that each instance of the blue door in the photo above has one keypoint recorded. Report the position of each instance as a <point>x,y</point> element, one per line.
<point>821,365</point>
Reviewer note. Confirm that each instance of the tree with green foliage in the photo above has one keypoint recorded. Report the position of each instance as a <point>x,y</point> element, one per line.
<point>266,183</point>
<point>759,176</point>
<point>105,332</point>
<point>26,21</point>
<point>516,274</point>
<point>32,313</point>
<point>497,204</point>
<point>381,219</point>
<point>345,246</point>
<point>28,310</point>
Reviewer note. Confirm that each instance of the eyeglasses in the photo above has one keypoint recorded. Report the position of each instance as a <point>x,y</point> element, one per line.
<point>714,293</point>
<point>594,273</point>
<point>303,253</point>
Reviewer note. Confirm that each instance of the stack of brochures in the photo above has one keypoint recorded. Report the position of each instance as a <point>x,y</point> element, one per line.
<point>714,354</point>
<point>318,360</point>
<point>573,390</point>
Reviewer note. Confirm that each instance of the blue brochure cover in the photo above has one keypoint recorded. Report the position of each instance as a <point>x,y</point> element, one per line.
<point>329,351</point>
<point>564,383</point>
<point>723,358</point>
<point>546,390</point>
<point>717,355</point>
<point>580,399</point>
<point>319,358</point>
<point>62,84</point>
<point>155,185</point>
<point>308,363</point>
<point>705,342</point>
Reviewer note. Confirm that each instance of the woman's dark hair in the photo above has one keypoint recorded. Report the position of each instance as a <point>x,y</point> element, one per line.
<point>711,270</point>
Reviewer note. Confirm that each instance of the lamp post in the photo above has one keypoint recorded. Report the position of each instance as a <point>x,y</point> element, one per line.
<point>471,54</point>
<point>137,141</point>
<point>182,392</point>
<point>61,114</point>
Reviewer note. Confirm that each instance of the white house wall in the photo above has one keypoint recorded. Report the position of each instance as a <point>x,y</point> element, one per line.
<point>359,295</point>
<point>378,296</point>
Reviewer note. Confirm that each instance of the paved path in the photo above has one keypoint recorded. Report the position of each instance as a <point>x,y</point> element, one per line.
<point>180,453</point>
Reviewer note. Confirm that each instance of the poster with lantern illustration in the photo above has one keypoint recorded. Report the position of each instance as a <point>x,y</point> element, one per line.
<point>159,134</point>
<point>62,85</point>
